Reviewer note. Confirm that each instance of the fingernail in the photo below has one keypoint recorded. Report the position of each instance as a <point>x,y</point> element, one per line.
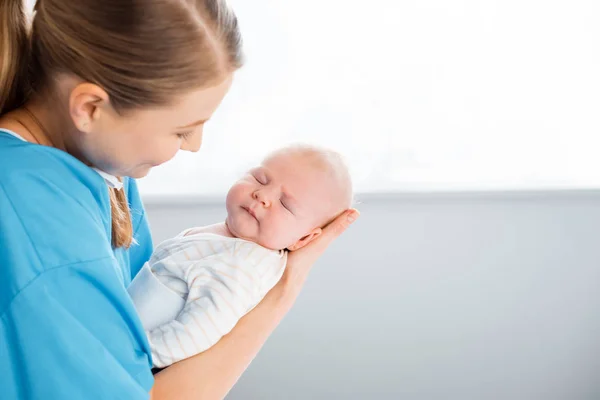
<point>352,216</point>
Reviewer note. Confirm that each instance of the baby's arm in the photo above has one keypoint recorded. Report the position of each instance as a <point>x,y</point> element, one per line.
<point>222,289</point>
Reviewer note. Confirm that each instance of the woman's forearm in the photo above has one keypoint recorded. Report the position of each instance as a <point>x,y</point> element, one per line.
<point>211,374</point>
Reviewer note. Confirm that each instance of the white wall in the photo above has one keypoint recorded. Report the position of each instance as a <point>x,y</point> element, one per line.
<point>466,296</point>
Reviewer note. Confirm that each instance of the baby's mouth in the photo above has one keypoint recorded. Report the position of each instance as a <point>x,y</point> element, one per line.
<point>249,211</point>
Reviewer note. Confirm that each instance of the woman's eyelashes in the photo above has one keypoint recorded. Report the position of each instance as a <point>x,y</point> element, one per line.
<point>184,135</point>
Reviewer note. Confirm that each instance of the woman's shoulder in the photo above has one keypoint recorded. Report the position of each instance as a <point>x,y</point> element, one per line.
<point>50,180</point>
<point>26,163</point>
<point>54,210</point>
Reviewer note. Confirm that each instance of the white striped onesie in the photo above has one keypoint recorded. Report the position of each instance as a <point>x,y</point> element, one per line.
<point>195,289</point>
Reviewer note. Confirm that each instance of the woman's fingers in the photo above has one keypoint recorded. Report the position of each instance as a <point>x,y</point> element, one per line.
<point>340,224</point>
<point>314,249</point>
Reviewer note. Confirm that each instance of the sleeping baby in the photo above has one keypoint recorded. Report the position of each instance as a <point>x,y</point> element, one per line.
<point>197,285</point>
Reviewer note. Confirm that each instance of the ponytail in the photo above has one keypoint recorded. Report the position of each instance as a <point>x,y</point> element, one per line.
<point>14,54</point>
<point>122,230</point>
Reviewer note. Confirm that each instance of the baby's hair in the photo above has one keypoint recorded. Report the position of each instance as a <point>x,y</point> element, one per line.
<point>326,159</point>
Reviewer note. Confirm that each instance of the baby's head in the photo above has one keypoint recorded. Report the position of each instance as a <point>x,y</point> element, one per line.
<point>284,202</point>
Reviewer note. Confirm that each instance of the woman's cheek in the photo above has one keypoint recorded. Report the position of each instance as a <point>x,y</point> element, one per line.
<point>168,152</point>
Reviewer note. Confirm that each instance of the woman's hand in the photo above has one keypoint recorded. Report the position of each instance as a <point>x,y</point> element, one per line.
<point>301,261</point>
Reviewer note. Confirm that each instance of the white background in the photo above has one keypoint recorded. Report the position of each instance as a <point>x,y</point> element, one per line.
<point>417,94</point>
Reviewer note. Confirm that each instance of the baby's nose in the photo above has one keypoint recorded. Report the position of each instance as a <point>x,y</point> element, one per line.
<point>261,196</point>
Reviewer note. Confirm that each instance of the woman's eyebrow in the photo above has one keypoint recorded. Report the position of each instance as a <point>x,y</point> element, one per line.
<point>193,124</point>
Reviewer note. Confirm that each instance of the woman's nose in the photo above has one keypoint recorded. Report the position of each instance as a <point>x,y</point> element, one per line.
<point>194,142</point>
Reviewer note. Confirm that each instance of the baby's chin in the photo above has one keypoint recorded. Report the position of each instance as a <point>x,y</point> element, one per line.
<point>238,230</point>
<point>233,227</point>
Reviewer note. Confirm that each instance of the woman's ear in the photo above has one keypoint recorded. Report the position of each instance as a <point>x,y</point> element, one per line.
<point>306,239</point>
<point>86,103</point>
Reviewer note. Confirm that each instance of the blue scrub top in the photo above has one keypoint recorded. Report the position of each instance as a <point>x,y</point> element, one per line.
<point>68,329</point>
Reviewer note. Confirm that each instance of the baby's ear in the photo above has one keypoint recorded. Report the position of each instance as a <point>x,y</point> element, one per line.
<point>306,239</point>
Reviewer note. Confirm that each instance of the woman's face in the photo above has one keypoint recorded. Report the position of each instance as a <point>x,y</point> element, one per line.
<point>131,144</point>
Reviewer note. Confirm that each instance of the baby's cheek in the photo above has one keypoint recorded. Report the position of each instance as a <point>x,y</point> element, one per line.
<point>268,238</point>
<point>286,237</point>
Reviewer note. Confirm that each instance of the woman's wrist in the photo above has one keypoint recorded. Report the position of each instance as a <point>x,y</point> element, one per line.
<point>284,295</point>
<point>290,285</point>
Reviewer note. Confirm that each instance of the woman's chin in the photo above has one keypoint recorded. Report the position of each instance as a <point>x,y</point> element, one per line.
<point>139,172</point>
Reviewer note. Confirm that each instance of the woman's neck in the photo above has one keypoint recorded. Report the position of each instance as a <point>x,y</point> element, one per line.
<point>33,124</point>
<point>17,122</point>
<point>37,123</point>
<point>42,123</point>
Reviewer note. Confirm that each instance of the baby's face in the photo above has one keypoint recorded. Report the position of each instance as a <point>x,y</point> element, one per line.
<point>280,202</point>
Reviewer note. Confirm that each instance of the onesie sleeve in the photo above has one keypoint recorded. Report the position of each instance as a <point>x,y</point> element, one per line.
<point>222,289</point>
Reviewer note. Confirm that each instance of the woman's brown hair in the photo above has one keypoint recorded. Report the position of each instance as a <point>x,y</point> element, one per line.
<point>141,52</point>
